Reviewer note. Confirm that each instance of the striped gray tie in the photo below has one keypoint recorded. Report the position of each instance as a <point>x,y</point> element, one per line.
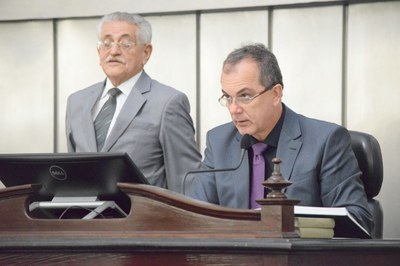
<point>103,119</point>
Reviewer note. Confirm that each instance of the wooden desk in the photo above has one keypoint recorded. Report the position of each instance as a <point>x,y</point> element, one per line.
<point>165,228</point>
<point>67,250</point>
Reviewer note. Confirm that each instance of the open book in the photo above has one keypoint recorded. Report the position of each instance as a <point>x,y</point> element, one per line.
<point>345,224</point>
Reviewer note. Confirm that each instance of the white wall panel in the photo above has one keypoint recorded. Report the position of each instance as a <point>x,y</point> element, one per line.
<point>78,64</point>
<point>308,45</point>
<point>173,61</point>
<point>220,34</point>
<point>26,87</point>
<point>26,9</point>
<point>374,92</point>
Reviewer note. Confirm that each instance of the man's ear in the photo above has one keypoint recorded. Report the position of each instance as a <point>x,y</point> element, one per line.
<point>147,50</point>
<point>277,90</point>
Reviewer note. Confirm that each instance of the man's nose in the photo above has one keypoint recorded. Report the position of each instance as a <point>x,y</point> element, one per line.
<point>115,49</point>
<point>234,107</point>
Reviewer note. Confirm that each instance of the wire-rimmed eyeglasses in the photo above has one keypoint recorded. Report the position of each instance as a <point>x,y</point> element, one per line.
<point>124,45</point>
<point>226,100</point>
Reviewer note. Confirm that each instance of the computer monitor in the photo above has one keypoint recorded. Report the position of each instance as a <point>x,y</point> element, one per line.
<point>73,185</point>
<point>70,174</point>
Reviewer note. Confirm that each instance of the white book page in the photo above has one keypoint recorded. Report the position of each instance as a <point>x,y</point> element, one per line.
<point>326,211</point>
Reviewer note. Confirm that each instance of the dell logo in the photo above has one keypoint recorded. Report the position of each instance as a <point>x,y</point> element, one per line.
<point>57,172</point>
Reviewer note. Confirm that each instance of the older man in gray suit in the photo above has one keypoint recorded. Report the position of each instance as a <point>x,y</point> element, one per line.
<point>129,112</point>
<point>316,155</point>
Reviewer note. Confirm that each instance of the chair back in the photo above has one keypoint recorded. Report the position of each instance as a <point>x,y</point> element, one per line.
<point>368,153</point>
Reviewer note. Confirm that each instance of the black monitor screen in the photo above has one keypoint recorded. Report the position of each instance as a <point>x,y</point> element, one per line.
<point>70,174</point>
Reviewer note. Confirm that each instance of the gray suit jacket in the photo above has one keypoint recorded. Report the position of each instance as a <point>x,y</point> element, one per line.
<point>154,127</point>
<point>316,156</point>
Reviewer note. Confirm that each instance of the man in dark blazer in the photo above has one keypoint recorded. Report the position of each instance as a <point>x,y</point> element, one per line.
<point>316,155</point>
<point>151,123</point>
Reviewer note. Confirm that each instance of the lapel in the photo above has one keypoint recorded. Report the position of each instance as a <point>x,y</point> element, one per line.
<point>241,175</point>
<point>289,142</point>
<point>132,105</point>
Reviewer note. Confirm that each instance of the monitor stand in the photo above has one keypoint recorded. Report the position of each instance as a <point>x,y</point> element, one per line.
<point>94,206</point>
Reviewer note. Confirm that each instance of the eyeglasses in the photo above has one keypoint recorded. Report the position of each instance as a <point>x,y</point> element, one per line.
<point>226,100</point>
<point>124,45</point>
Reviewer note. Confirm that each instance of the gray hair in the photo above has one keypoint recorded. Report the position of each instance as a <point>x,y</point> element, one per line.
<point>270,73</point>
<point>144,28</point>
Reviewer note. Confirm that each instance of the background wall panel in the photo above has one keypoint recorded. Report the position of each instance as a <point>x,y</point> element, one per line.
<point>374,92</point>
<point>26,87</point>
<point>308,45</point>
<point>27,9</point>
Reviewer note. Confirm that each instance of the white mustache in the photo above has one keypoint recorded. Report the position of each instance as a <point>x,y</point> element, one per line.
<point>115,59</point>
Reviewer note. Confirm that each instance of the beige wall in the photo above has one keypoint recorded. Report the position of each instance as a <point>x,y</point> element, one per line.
<point>48,52</point>
<point>374,91</point>
<point>308,45</point>
<point>26,87</point>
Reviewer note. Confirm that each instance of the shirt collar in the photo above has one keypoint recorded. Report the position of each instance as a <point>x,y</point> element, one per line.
<point>273,137</point>
<point>125,87</point>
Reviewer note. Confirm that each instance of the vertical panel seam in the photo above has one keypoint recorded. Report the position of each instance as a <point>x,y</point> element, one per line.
<point>270,28</point>
<point>344,64</point>
<point>55,88</point>
<point>198,94</point>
